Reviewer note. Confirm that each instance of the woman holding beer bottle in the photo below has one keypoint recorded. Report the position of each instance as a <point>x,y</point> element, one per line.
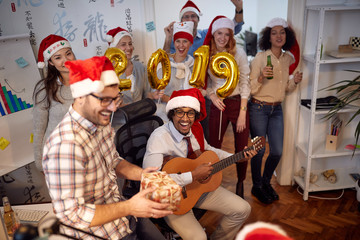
<point>270,80</point>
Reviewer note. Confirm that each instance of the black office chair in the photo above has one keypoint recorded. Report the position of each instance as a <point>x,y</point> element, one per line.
<point>130,141</point>
<point>131,138</point>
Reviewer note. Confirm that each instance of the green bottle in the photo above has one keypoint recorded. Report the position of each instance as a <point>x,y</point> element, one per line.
<point>268,64</point>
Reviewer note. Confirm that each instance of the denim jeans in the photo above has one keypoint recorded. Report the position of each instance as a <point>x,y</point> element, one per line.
<point>266,120</point>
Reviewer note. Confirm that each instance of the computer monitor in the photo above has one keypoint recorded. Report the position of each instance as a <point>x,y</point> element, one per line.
<point>250,43</point>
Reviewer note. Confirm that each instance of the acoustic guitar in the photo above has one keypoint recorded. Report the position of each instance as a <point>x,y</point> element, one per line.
<point>193,191</point>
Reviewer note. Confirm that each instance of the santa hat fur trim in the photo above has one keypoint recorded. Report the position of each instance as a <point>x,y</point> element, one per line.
<point>262,231</point>
<point>222,23</point>
<point>189,6</point>
<point>183,101</point>
<point>49,46</point>
<point>91,75</point>
<point>114,35</point>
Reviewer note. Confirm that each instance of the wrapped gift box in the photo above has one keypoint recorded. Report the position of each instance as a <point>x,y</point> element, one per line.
<point>167,190</point>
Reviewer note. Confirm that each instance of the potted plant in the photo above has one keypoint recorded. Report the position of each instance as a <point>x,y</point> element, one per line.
<point>348,93</point>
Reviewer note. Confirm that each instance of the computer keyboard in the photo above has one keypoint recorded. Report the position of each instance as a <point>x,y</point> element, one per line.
<point>34,216</point>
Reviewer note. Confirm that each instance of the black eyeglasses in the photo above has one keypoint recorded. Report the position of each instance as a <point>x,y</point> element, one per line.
<point>106,101</point>
<point>180,113</point>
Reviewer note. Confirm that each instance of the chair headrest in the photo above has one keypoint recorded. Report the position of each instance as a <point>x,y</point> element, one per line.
<point>140,109</point>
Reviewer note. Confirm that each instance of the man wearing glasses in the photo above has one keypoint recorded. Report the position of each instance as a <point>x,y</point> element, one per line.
<point>81,163</point>
<point>190,12</point>
<point>180,137</point>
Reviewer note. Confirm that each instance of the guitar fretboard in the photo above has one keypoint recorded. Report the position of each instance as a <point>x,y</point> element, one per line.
<point>229,160</point>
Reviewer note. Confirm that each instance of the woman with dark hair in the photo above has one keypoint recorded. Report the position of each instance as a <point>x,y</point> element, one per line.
<point>268,87</point>
<point>52,96</point>
<point>233,108</point>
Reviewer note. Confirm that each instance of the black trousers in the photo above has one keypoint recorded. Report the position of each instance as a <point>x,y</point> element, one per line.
<point>143,229</point>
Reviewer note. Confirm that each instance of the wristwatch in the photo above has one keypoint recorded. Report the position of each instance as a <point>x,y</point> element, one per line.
<point>243,108</point>
<point>239,12</point>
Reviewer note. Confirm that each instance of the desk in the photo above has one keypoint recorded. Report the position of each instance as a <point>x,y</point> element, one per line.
<point>43,206</point>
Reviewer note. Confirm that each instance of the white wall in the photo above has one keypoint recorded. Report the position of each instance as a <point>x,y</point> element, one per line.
<point>256,13</point>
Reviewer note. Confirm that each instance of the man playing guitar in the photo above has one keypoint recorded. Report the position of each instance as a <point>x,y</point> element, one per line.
<point>185,109</point>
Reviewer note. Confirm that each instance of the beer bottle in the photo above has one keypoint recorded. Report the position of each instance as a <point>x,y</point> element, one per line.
<point>268,64</point>
<point>10,217</point>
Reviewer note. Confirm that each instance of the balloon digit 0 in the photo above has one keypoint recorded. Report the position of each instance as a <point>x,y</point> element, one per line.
<point>223,65</point>
<point>119,61</point>
<point>160,56</point>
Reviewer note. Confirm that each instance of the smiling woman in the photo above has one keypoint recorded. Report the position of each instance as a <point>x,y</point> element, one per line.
<point>232,109</point>
<point>181,65</point>
<point>52,95</point>
<point>268,87</point>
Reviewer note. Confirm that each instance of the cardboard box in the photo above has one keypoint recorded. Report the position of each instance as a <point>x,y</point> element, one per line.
<point>332,142</point>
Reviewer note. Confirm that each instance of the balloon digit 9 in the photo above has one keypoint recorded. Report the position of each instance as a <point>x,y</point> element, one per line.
<point>223,65</point>
<point>201,56</point>
<point>160,56</point>
<point>119,61</point>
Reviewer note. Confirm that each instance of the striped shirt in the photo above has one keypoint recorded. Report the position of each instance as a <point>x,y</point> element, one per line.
<point>79,163</point>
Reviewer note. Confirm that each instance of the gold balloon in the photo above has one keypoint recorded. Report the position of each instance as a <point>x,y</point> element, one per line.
<point>119,61</point>
<point>160,56</point>
<point>223,65</point>
<point>198,75</point>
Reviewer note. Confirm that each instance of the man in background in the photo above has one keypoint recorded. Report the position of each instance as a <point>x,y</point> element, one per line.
<point>190,12</point>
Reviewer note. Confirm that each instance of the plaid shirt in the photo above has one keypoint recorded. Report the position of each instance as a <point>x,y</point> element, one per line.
<point>79,164</point>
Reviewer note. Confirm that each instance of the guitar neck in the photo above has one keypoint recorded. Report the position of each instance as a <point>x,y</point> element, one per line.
<point>226,162</point>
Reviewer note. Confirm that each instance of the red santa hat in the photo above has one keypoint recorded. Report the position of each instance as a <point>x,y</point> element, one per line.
<point>91,75</point>
<point>262,231</point>
<point>295,51</point>
<point>48,46</point>
<point>217,23</point>
<point>115,35</point>
<point>184,30</point>
<point>191,98</point>
<point>189,7</point>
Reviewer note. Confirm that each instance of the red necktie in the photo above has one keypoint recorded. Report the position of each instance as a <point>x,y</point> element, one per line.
<point>190,149</point>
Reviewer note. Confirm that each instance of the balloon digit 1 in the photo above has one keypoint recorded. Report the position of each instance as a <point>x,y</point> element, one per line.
<point>119,61</point>
<point>223,65</point>
<point>201,56</point>
<point>160,56</point>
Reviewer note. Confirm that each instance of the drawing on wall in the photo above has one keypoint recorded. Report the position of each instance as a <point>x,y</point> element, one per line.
<point>10,102</point>
<point>18,76</point>
<point>16,72</point>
